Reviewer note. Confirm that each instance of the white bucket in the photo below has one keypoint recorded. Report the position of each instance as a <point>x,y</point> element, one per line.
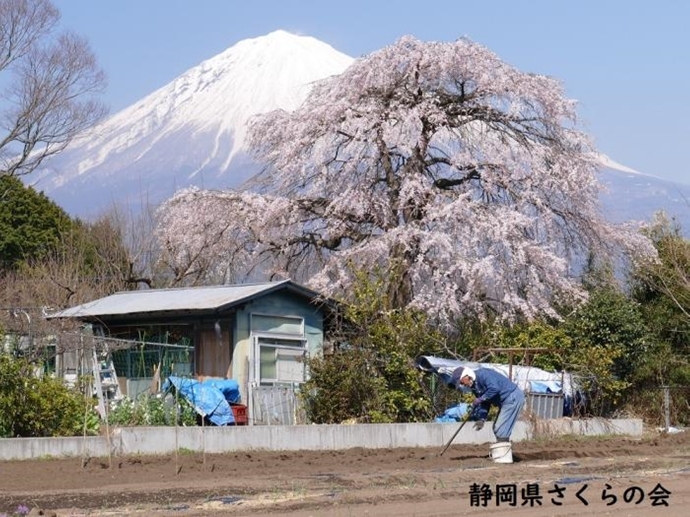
<point>501,452</point>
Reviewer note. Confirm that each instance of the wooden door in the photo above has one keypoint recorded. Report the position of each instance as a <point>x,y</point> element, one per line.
<point>213,354</point>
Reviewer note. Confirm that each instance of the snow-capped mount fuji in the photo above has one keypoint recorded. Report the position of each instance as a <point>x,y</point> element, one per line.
<point>192,132</point>
<point>189,132</point>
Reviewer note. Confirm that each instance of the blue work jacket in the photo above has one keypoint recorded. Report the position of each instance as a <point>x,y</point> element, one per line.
<point>492,387</point>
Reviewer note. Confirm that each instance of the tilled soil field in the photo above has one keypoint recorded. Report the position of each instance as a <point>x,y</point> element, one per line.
<point>612,476</point>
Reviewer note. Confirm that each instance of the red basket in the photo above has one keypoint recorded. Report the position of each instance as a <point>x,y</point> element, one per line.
<point>239,411</point>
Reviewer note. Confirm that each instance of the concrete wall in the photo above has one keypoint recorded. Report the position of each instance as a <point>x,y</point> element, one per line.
<point>38,448</point>
<point>163,440</point>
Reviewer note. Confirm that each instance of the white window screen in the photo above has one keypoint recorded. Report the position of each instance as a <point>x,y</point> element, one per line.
<point>281,361</point>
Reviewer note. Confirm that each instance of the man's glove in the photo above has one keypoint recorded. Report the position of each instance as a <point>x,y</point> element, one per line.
<point>476,402</point>
<point>479,424</point>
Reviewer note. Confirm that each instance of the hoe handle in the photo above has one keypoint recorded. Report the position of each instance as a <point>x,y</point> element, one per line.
<point>467,417</point>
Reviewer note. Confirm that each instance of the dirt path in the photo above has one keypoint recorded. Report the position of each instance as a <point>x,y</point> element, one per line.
<point>383,482</point>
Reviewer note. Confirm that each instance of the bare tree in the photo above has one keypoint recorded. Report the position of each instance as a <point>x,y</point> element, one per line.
<point>116,252</point>
<point>50,94</point>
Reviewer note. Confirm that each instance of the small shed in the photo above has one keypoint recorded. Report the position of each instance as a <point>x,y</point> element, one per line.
<point>257,333</point>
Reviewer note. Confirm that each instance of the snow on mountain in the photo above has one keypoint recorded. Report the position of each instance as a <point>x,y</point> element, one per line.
<point>634,196</point>
<point>608,163</point>
<point>191,131</point>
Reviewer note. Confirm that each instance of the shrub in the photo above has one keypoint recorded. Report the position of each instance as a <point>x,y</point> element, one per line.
<point>152,410</point>
<point>370,375</point>
<point>33,406</point>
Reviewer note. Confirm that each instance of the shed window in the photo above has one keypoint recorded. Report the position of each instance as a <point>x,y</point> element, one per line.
<point>281,360</point>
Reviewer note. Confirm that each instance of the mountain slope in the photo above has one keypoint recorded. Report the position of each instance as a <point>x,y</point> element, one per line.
<point>635,196</point>
<point>191,131</point>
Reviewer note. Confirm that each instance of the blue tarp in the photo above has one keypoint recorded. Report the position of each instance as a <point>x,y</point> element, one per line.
<point>230,388</point>
<point>454,413</point>
<point>205,398</point>
<point>458,412</point>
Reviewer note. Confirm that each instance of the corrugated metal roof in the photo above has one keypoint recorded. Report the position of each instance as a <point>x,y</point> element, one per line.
<point>179,299</point>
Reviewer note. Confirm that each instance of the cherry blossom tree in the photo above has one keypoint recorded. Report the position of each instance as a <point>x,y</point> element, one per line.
<point>209,236</point>
<point>465,178</point>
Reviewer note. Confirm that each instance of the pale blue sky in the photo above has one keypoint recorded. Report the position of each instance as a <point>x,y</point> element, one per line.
<point>626,61</point>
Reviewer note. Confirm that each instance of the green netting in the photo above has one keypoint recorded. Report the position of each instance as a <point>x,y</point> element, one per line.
<point>142,360</point>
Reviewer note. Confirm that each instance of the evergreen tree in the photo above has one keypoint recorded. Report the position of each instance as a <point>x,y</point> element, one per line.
<point>31,225</point>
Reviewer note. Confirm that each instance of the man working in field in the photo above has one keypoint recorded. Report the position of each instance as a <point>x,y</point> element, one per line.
<point>492,388</point>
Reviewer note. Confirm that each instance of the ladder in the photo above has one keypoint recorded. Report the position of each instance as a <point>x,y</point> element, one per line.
<point>106,385</point>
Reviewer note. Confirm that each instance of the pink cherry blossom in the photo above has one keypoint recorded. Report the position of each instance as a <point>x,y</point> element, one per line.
<point>468,175</point>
